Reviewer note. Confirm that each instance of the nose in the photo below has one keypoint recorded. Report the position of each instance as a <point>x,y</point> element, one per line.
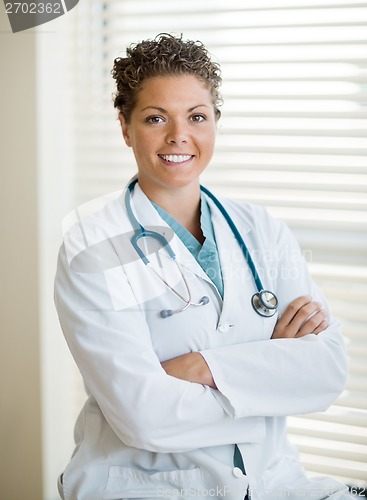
<point>177,133</point>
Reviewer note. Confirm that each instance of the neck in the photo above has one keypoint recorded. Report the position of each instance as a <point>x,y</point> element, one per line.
<point>183,204</point>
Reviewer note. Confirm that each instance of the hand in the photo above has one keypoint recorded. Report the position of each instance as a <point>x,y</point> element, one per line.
<point>302,317</point>
<point>191,367</point>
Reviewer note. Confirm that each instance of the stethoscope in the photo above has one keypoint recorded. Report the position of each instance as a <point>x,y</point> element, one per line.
<point>264,302</point>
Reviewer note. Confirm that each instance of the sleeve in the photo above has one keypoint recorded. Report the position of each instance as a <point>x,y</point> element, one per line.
<point>144,406</point>
<point>280,377</point>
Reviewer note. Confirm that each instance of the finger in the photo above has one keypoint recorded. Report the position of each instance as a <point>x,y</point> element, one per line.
<point>291,310</point>
<point>315,323</point>
<point>323,325</point>
<point>305,314</point>
<point>314,308</point>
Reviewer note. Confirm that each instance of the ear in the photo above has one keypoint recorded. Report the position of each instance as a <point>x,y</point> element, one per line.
<point>125,129</point>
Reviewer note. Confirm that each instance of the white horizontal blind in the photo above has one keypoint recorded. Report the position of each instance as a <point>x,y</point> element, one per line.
<point>293,137</point>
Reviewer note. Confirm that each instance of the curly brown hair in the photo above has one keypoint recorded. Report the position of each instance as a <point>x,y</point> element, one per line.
<point>165,55</point>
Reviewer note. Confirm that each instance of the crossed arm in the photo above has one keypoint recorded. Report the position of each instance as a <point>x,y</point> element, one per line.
<point>303,316</point>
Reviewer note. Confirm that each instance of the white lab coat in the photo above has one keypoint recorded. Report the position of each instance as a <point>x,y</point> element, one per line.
<point>144,434</point>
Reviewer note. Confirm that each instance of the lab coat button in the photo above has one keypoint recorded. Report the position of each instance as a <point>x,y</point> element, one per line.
<point>223,327</point>
<point>237,472</point>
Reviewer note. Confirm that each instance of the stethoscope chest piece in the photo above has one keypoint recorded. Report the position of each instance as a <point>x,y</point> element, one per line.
<point>265,303</point>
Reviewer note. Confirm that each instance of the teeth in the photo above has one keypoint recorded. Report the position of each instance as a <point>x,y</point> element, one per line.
<point>176,158</point>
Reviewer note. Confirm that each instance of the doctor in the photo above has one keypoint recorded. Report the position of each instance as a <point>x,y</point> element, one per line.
<point>189,377</point>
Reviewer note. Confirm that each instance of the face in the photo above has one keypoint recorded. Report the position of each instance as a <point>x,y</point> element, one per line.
<point>171,131</point>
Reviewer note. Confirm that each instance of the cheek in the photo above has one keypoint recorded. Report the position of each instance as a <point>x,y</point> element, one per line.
<point>136,139</point>
<point>144,145</point>
<point>208,142</point>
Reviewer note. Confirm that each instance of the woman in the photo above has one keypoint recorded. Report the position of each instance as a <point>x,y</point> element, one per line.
<point>190,377</point>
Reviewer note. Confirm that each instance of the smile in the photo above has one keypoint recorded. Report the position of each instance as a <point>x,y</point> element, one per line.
<point>176,158</point>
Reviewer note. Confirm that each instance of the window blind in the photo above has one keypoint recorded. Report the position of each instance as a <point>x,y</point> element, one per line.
<point>292,137</point>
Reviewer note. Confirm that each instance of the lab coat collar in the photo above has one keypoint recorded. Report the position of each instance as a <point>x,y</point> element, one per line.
<point>218,218</point>
<point>148,217</point>
<point>230,254</point>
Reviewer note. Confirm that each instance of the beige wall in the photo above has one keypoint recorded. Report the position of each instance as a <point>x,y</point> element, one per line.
<point>20,401</point>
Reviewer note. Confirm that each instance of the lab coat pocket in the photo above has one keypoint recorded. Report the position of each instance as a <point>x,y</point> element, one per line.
<point>124,482</point>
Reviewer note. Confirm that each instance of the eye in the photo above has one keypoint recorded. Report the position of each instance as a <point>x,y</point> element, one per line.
<point>154,119</point>
<point>198,118</point>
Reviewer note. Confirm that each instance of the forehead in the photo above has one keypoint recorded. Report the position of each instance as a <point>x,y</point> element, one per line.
<point>173,91</point>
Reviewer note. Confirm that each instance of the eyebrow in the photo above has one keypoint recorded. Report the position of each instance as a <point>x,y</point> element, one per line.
<point>162,110</point>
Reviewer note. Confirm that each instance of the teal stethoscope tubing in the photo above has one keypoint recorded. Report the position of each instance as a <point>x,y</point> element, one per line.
<point>238,237</point>
<point>264,302</point>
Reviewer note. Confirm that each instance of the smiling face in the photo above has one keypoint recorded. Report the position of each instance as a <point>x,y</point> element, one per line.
<point>172,133</point>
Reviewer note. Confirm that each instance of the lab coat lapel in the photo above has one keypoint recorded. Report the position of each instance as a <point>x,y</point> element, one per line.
<point>231,256</point>
<point>150,218</point>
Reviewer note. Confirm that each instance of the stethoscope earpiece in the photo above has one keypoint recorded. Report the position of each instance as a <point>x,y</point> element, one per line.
<point>166,313</point>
